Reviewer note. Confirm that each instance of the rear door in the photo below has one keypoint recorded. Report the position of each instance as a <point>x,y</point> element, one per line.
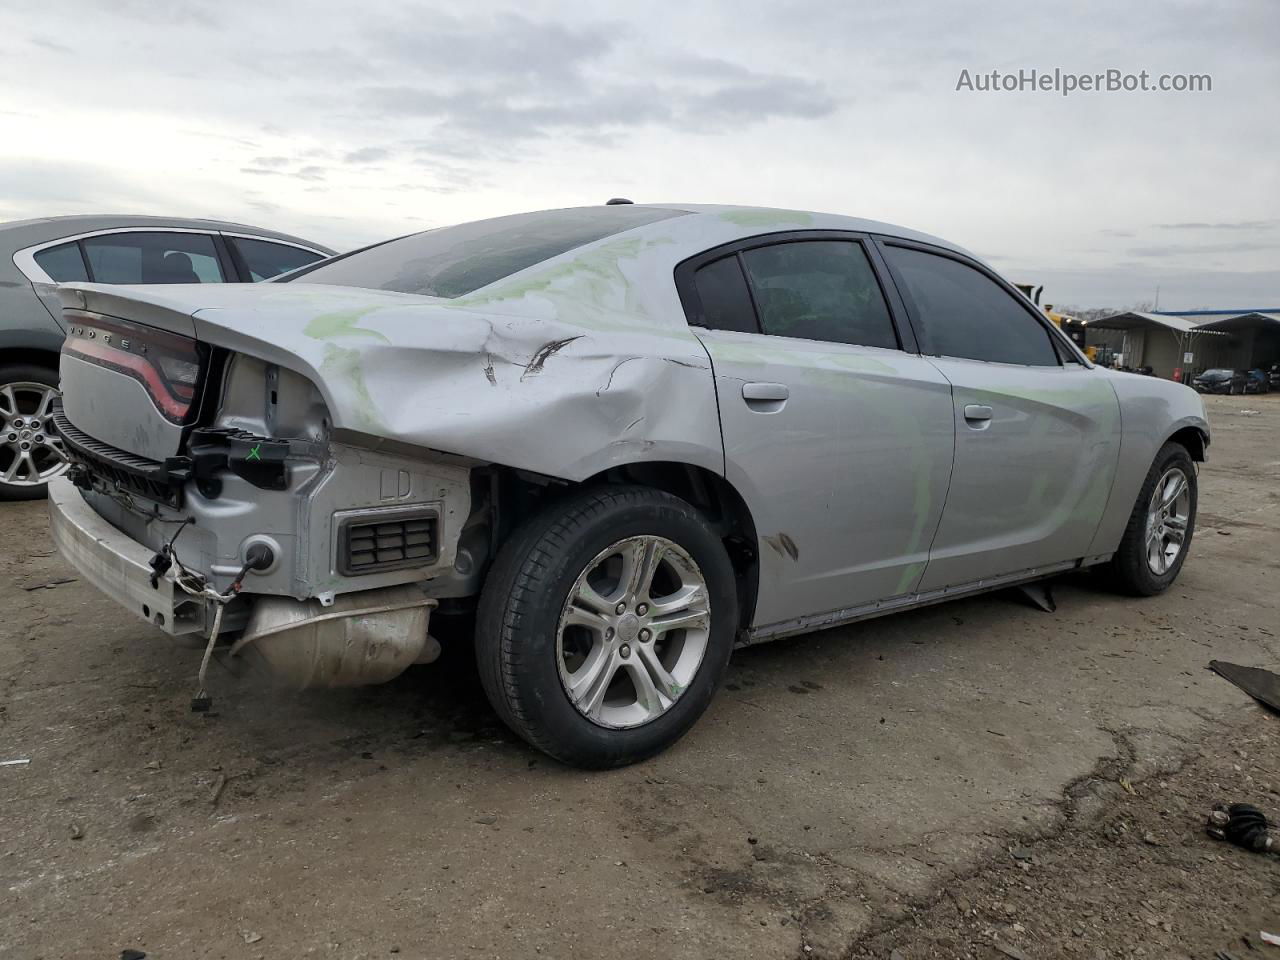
<point>1037,430</point>
<point>838,437</point>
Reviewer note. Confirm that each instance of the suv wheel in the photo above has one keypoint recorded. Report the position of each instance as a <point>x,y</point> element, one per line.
<point>606,625</point>
<point>30,453</point>
<point>1156,541</point>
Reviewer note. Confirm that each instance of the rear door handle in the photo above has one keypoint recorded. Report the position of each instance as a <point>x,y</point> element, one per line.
<point>977,412</point>
<point>765,391</point>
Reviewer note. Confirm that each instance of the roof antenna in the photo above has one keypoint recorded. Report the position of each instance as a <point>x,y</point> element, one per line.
<point>614,201</point>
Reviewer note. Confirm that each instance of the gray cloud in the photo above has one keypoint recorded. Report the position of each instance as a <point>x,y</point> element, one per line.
<point>1230,225</point>
<point>367,155</point>
<point>1200,249</point>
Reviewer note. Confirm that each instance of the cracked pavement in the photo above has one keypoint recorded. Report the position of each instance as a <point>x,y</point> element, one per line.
<point>838,778</point>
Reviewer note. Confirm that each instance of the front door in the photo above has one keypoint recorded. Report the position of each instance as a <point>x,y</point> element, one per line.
<point>1037,431</point>
<point>840,441</point>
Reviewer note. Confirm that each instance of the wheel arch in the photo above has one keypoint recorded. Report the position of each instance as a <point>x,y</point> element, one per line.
<point>11,356</point>
<point>514,495</point>
<point>1194,438</point>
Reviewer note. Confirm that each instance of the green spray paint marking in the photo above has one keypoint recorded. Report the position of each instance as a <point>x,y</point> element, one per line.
<point>342,323</point>
<point>255,454</point>
<point>766,218</point>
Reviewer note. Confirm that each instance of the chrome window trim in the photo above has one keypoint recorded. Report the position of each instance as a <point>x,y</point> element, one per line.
<point>284,243</point>
<point>25,259</point>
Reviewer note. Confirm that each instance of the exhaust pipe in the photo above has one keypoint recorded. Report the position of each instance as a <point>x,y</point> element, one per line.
<point>360,639</point>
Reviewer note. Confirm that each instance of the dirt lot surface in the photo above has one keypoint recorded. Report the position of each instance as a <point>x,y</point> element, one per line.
<point>976,779</point>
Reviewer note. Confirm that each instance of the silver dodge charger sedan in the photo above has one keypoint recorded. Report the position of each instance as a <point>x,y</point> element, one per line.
<point>628,437</point>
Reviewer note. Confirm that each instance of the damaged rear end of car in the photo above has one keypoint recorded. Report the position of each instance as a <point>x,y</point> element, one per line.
<point>209,494</point>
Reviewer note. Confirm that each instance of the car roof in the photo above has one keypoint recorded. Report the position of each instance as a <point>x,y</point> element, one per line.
<point>17,234</point>
<point>760,220</point>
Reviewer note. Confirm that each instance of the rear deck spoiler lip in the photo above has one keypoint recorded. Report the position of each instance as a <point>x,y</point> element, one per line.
<point>153,311</point>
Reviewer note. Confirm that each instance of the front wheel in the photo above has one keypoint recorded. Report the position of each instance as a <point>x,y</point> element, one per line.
<point>606,624</point>
<point>1156,541</point>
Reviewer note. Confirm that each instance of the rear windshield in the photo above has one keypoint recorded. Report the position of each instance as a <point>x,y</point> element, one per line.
<point>454,261</point>
<point>1217,373</point>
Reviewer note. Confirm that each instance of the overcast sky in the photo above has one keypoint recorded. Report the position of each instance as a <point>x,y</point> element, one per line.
<point>351,122</point>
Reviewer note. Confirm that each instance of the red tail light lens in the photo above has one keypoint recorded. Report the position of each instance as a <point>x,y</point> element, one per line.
<point>167,365</point>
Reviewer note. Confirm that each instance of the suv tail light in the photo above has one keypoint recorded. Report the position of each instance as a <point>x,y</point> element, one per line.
<point>167,365</point>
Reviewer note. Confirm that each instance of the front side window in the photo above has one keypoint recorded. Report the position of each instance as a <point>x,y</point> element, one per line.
<point>266,259</point>
<point>153,258</point>
<point>961,312</point>
<point>454,261</point>
<point>819,290</point>
<point>62,263</point>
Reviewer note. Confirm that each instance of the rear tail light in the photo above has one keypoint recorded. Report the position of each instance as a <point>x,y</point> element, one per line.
<point>167,365</point>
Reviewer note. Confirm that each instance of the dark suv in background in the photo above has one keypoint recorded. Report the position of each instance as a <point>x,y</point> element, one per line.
<point>36,255</point>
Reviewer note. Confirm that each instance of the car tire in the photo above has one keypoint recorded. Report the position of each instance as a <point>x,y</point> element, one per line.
<point>528,635</point>
<point>20,380</point>
<point>1132,569</point>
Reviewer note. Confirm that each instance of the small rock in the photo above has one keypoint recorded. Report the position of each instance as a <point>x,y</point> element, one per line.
<point>250,937</point>
<point>897,955</point>
<point>153,765</point>
<point>1077,930</point>
<point>130,954</point>
<point>395,949</point>
<point>1021,853</point>
<point>77,832</point>
<point>487,821</point>
<point>1150,838</point>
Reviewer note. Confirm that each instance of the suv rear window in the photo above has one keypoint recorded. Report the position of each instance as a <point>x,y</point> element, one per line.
<point>454,261</point>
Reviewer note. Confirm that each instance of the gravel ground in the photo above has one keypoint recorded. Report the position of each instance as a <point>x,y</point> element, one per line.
<point>850,793</point>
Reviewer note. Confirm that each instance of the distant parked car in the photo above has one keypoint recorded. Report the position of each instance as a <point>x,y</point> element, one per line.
<point>1257,382</point>
<point>1220,381</point>
<point>36,255</point>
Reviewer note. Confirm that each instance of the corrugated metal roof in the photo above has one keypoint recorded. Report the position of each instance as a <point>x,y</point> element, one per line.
<point>1134,320</point>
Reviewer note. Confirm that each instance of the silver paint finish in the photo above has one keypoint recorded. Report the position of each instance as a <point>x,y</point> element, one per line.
<point>845,475</point>
<point>1151,411</point>
<point>843,455</point>
<point>116,409</point>
<point>1032,472</point>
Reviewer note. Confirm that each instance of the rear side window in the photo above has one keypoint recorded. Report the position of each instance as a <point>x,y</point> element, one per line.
<point>454,261</point>
<point>266,259</point>
<point>819,290</point>
<point>153,258</point>
<point>963,313</point>
<point>723,295</point>
<point>63,263</point>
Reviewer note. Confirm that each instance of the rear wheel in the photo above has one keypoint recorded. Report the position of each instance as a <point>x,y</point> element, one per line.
<point>30,453</point>
<point>1160,529</point>
<point>606,625</point>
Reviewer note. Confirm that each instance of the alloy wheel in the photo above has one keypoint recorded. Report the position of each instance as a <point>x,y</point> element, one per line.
<point>30,453</point>
<point>633,632</point>
<point>1167,517</point>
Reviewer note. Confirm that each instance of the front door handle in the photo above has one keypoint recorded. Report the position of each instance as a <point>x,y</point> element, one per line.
<point>977,412</point>
<point>765,391</point>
